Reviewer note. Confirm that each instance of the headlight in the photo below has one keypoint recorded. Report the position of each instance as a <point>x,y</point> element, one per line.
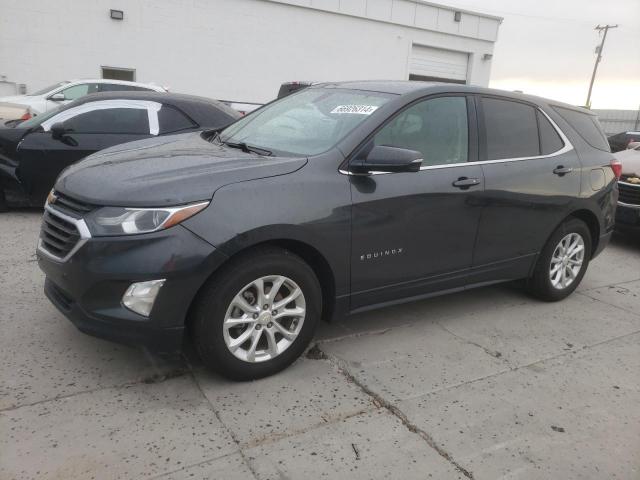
<point>129,221</point>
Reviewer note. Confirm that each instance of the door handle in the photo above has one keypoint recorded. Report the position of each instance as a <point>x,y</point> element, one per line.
<point>561,170</point>
<point>464,183</point>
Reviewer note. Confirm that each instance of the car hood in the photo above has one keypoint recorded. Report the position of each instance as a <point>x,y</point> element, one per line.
<point>165,171</point>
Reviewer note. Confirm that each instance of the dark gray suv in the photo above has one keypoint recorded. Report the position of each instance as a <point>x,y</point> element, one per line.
<point>336,199</point>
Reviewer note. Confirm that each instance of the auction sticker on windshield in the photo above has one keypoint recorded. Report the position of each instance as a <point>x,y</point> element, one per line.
<point>357,109</point>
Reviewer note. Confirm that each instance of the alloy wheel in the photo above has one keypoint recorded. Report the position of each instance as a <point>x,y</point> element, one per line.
<point>264,318</point>
<point>566,261</point>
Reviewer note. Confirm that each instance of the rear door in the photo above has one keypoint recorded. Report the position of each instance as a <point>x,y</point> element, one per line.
<point>413,233</point>
<point>532,176</point>
<point>92,126</point>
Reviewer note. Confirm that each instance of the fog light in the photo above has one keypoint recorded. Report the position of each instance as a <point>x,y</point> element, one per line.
<point>140,296</point>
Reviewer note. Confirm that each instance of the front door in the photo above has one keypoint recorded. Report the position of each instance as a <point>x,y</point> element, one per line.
<point>414,233</point>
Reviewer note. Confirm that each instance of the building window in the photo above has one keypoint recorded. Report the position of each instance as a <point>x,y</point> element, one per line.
<point>114,73</point>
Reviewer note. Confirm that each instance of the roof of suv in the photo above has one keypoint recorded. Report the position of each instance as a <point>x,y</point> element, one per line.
<point>402,87</point>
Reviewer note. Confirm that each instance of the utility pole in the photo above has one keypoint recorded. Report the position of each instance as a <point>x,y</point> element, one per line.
<point>600,29</point>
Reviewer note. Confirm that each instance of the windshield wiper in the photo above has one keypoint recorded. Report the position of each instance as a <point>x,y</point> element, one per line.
<point>249,148</point>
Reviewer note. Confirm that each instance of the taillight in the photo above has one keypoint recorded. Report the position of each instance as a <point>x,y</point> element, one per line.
<point>616,166</point>
<point>26,116</point>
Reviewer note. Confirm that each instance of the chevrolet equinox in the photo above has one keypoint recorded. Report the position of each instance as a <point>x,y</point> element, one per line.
<point>337,199</point>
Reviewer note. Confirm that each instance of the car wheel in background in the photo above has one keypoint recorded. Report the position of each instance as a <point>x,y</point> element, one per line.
<point>562,262</point>
<point>257,315</point>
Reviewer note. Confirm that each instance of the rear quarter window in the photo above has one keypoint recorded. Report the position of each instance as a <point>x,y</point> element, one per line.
<point>587,126</point>
<point>171,120</point>
<point>550,141</point>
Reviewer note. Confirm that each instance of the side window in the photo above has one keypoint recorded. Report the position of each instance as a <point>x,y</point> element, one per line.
<point>550,141</point>
<point>511,129</point>
<point>172,120</point>
<point>118,87</point>
<point>436,127</point>
<point>111,120</point>
<point>77,91</point>
<point>587,126</point>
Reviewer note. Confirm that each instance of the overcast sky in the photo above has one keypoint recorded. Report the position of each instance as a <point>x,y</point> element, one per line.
<point>546,47</point>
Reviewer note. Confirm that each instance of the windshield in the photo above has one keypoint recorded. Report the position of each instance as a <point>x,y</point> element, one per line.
<point>38,119</point>
<point>47,89</point>
<point>305,123</point>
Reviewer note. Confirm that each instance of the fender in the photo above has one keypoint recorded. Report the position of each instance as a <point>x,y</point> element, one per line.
<point>316,212</point>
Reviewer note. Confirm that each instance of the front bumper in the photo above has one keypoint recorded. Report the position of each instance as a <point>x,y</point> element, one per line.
<point>88,287</point>
<point>627,217</point>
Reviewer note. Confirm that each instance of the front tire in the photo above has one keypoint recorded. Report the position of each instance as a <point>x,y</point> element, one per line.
<point>257,315</point>
<point>562,263</point>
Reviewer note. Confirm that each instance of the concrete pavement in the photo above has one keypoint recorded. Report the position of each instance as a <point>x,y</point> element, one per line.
<point>483,384</point>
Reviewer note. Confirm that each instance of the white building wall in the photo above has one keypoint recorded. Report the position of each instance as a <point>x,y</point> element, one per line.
<point>238,50</point>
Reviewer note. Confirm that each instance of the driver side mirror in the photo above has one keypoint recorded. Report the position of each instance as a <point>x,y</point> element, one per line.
<point>58,130</point>
<point>57,97</point>
<point>382,158</point>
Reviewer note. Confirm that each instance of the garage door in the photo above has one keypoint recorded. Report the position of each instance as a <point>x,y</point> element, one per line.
<point>428,63</point>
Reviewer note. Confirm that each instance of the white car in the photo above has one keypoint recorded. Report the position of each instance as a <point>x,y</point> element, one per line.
<point>53,96</point>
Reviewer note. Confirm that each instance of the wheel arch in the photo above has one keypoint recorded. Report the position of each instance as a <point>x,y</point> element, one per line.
<point>304,250</point>
<point>590,218</point>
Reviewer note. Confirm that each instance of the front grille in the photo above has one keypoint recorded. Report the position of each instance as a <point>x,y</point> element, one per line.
<point>71,206</point>
<point>58,236</point>
<point>629,193</point>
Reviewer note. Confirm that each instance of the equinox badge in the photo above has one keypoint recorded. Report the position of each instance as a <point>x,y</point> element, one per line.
<point>381,253</point>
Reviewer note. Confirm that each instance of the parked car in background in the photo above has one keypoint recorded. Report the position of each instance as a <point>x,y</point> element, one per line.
<point>621,141</point>
<point>61,93</point>
<point>336,199</point>
<point>13,113</point>
<point>33,153</point>
<point>288,88</point>
<point>242,108</point>
<point>628,212</point>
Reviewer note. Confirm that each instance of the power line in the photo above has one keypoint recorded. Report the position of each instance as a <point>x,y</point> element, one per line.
<point>599,48</point>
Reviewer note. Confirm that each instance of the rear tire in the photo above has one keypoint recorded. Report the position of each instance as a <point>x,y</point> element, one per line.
<point>242,329</point>
<point>562,262</point>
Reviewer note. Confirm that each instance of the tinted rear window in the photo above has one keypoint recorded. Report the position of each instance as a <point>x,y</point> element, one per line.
<point>511,129</point>
<point>172,120</point>
<point>587,126</point>
<point>550,141</point>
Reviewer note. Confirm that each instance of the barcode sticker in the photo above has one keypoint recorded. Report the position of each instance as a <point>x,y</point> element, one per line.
<point>357,109</point>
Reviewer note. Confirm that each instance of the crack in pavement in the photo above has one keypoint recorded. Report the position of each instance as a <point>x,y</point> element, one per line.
<point>488,351</point>
<point>274,437</point>
<point>171,472</point>
<point>231,432</point>
<point>626,310</point>
<point>342,368</point>
<point>153,379</point>
<point>520,367</point>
